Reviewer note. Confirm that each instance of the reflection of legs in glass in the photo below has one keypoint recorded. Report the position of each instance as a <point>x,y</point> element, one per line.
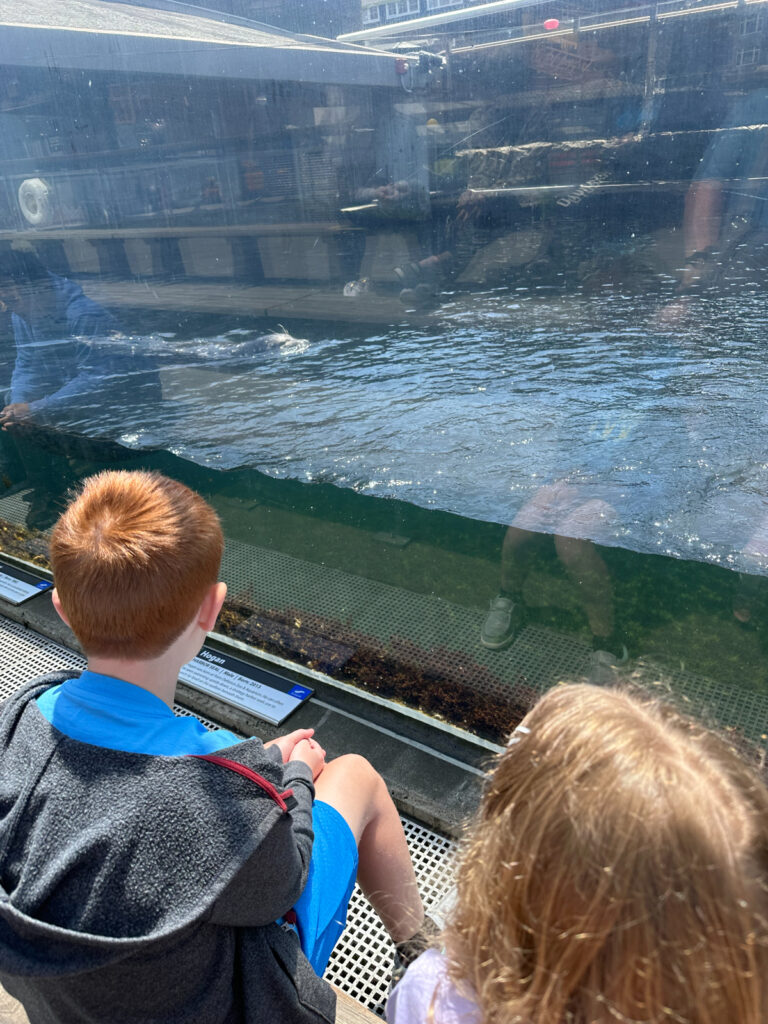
<point>556,508</point>
<point>503,617</point>
<point>585,565</point>
<point>535,518</point>
<point>588,571</point>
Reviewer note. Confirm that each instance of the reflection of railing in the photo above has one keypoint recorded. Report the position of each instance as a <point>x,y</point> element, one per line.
<point>607,20</point>
<point>543,192</point>
<point>250,252</point>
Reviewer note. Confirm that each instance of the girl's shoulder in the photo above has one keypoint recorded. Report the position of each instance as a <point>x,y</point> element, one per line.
<point>426,984</point>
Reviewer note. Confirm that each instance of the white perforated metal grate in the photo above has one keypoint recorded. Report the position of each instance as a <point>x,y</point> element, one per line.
<point>26,654</point>
<point>361,963</point>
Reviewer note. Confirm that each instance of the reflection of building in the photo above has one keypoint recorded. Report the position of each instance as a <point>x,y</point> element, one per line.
<point>202,148</point>
<point>227,150</point>
<point>387,12</point>
<point>400,10</point>
<point>327,18</point>
<point>749,48</point>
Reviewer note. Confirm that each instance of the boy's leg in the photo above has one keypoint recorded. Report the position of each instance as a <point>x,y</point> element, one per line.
<point>356,790</point>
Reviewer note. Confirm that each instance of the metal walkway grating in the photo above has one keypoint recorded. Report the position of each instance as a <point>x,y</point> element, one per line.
<point>361,964</point>
<point>445,635</point>
<point>745,711</point>
<point>362,961</point>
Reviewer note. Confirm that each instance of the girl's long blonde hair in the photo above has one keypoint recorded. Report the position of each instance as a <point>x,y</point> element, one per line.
<point>616,873</point>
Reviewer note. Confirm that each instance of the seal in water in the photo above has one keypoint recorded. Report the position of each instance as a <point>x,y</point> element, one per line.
<point>218,349</point>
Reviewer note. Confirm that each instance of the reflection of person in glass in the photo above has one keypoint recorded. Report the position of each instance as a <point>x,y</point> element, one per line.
<point>725,222</point>
<point>52,321</point>
<point>73,385</point>
<point>725,233</point>
<point>577,509</point>
<point>567,513</point>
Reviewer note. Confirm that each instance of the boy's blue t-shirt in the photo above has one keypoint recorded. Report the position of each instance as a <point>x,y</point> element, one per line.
<point>109,712</point>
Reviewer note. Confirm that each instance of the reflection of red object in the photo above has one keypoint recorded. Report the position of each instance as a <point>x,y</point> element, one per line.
<point>401,66</point>
<point>551,23</point>
<point>253,177</point>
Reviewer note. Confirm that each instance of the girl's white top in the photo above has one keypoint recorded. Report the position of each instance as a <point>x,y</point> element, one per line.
<point>426,978</point>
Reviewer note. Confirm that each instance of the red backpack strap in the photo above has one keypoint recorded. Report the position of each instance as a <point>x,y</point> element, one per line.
<point>285,800</point>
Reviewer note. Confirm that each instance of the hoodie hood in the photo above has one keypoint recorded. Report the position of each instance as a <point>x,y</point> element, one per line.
<point>104,853</point>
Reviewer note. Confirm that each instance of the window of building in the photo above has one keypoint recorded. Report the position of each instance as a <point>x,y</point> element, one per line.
<point>401,8</point>
<point>747,56</point>
<point>750,24</point>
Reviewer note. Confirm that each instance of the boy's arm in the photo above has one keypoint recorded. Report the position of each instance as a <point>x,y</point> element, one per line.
<point>273,878</point>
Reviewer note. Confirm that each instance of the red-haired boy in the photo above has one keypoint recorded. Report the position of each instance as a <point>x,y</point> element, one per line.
<point>137,882</point>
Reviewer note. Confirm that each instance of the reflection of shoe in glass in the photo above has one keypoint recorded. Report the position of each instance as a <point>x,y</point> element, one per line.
<point>498,629</point>
<point>603,667</point>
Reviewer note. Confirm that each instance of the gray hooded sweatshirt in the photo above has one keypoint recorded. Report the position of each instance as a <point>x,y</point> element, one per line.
<point>144,889</point>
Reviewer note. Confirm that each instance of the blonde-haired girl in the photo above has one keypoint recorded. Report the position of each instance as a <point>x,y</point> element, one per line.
<point>616,872</point>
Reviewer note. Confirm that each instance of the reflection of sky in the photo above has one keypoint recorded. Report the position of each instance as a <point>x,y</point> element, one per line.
<point>476,416</point>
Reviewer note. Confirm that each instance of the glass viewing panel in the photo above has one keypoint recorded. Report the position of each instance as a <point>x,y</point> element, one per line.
<point>459,323</point>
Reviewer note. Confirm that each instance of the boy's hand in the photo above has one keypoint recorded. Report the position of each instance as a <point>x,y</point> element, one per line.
<point>311,753</point>
<point>288,742</point>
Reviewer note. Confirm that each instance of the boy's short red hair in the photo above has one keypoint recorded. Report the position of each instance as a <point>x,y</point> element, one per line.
<point>133,556</point>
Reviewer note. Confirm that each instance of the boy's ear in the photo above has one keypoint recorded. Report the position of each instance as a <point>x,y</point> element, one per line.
<point>211,606</point>
<point>57,606</point>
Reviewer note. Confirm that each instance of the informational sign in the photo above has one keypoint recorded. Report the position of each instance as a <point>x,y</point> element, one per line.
<point>253,689</point>
<point>17,585</point>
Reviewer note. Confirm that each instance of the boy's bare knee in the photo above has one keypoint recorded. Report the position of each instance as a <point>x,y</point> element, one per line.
<point>352,785</point>
<point>357,769</point>
<point>354,763</point>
